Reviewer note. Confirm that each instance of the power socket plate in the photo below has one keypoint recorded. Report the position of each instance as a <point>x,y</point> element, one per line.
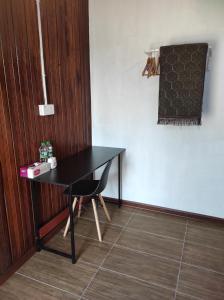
<point>46,109</point>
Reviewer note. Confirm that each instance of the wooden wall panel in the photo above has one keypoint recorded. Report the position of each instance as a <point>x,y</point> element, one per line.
<point>5,252</point>
<point>66,50</point>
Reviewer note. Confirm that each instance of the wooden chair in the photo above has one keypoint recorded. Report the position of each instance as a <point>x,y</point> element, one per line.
<point>93,189</point>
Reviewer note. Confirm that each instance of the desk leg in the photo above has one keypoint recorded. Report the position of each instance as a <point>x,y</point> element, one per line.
<point>119,181</point>
<point>33,186</point>
<point>71,214</point>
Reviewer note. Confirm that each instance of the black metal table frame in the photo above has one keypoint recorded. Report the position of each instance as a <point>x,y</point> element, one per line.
<point>38,241</point>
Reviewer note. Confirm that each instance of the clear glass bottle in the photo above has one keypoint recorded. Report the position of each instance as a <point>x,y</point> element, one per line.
<point>49,149</point>
<point>42,151</point>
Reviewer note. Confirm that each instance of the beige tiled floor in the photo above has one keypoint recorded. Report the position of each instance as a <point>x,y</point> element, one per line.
<point>144,255</point>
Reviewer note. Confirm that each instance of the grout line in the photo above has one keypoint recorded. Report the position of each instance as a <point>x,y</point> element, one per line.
<point>103,222</point>
<point>84,298</point>
<point>190,296</point>
<point>147,283</point>
<point>131,231</point>
<point>164,236</point>
<point>146,253</point>
<point>114,207</point>
<point>88,263</point>
<point>187,218</point>
<point>203,245</point>
<point>116,245</point>
<point>141,252</point>
<point>93,239</point>
<point>47,284</point>
<point>100,267</point>
<point>205,222</point>
<point>151,254</point>
<point>160,235</point>
<point>128,248</point>
<point>156,217</point>
<point>182,254</point>
<point>160,256</point>
<point>117,225</point>
<point>156,235</point>
<point>203,268</point>
<point>144,281</point>
<point>148,216</point>
<point>152,233</point>
<point>168,213</point>
<point>205,228</point>
<point>138,230</point>
<point>109,270</point>
<point>156,211</point>
<point>113,210</point>
<point>108,253</point>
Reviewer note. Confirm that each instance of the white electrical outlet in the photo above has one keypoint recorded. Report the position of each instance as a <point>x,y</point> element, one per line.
<point>46,109</point>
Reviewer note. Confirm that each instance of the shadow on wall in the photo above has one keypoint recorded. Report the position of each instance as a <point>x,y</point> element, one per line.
<point>206,109</point>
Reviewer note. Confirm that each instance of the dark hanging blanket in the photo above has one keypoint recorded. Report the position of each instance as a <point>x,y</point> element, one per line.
<point>182,72</point>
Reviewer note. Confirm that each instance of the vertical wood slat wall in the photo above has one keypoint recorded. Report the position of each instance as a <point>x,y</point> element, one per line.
<point>66,51</point>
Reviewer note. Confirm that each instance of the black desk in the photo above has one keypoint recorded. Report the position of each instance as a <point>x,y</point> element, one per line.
<point>69,171</point>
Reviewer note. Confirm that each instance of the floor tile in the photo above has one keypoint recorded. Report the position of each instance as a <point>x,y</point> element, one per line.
<point>144,264</point>
<point>125,208</point>
<point>119,216</point>
<point>86,250</point>
<point>205,236</point>
<point>185,297</point>
<point>152,269</point>
<point>88,228</point>
<point>148,243</point>
<point>161,215</point>
<point>206,224</point>
<point>202,256</point>
<point>21,288</point>
<point>108,285</point>
<point>158,226</point>
<point>58,271</point>
<point>200,283</point>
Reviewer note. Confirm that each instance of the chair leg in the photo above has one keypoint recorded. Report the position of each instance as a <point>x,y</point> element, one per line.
<point>104,207</point>
<point>80,207</point>
<point>96,219</point>
<point>68,221</point>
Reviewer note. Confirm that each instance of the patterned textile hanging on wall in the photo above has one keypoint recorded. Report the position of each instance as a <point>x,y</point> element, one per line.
<point>182,74</point>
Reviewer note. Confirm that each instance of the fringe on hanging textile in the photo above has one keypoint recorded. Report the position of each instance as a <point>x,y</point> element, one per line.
<point>179,122</point>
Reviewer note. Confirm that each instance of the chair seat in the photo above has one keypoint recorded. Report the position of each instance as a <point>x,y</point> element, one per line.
<point>89,188</point>
<point>83,188</point>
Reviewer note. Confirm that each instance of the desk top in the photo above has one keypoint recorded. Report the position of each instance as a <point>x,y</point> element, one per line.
<point>76,167</point>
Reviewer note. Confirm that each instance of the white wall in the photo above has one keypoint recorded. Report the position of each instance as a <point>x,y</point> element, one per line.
<point>176,167</point>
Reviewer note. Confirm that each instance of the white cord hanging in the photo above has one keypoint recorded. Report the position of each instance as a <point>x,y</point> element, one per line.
<point>43,74</point>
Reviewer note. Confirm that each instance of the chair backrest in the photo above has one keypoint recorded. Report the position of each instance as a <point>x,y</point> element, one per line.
<point>104,177</point>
